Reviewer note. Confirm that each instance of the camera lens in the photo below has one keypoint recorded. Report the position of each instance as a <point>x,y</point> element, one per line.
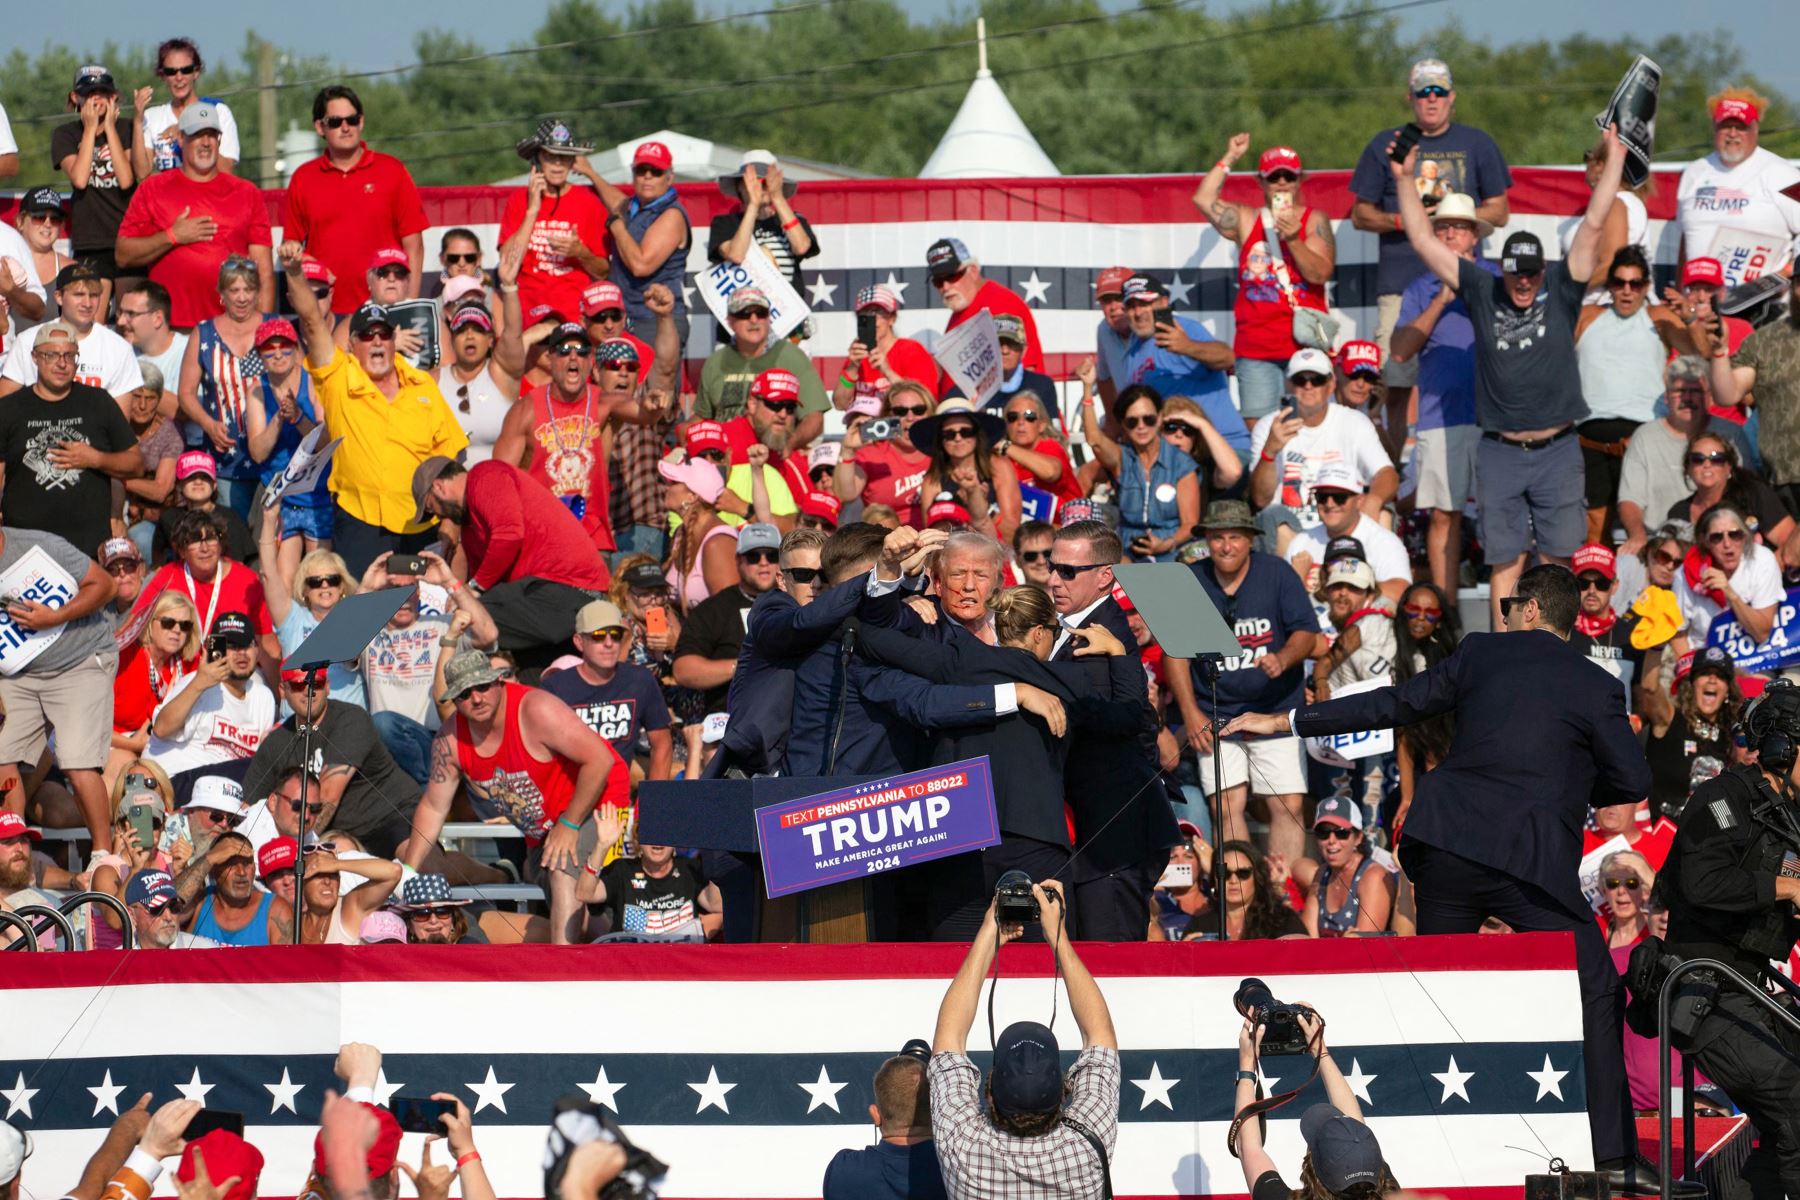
<point>1252,995</point>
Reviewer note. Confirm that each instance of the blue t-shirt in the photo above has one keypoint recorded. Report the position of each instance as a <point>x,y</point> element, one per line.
<point>1173,374</point>
<point>618,710</point>
<point>1269,606</point>
<point>1447,363</point>
<point>883,1170</point>
<point>288,441</point>
<point>1461,159</point>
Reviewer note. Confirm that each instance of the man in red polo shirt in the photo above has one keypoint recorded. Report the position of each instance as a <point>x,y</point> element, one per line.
<point>956,275</point>
<point>183,225</point>
<point>770,412</point>
<point>531,562</point>
<point>351,201</point>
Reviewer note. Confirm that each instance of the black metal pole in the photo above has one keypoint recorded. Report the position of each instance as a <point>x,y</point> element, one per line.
<point>1209,665</point>
<point>306,732</point>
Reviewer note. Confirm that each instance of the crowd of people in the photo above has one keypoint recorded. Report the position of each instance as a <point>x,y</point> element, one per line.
<point>622,556</point>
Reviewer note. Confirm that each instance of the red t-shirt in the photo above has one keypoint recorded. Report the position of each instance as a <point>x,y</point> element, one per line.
<point>1066,487</point>
<point>742,435</point>
<point>547,276</point>
<point>909,360</point>
<point>239,591</point>
<point>999,299</point>
<point>894,476</point>
<point>191,272</point>
<point>138,688</point>
<point>1654,843</point>
<point>344,217</point>
<point>518,530</point>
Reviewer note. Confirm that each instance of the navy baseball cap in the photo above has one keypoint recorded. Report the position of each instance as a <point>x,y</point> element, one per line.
<point>152,889</point>
<point>1344,546</point>
<point>945,257</point>
<point>1027,1076</point>
<point>1344,1150</point>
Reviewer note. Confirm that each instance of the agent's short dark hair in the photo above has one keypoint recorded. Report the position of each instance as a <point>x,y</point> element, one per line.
<point>155,295</point>
<point>902,1095</point>
<point>336,91</point>
<point>1102,538</point>
<point>1556,592</point>
<point>851,544</point>
<point>180,43</point>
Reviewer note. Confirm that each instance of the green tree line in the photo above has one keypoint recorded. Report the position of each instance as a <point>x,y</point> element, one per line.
<point>864,83</point>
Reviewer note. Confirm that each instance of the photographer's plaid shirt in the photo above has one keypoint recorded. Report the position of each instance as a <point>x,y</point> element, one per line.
<point>980,1162</point>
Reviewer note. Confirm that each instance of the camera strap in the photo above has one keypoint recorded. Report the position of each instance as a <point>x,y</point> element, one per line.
<point>1263,1105</point>
<point>1093,1139</point>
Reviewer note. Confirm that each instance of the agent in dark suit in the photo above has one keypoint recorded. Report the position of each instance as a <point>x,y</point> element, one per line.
<point>1123,824</point>
<point>1495,830</point>
<point>1026,751</point>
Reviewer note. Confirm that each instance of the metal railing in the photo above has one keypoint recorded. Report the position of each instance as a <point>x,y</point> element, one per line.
<point>41,917</point>
<point>28,939</point>
<point>109,901</point>
<point>1728,977</point>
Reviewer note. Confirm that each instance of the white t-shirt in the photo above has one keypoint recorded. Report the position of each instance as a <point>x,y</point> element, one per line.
<point>106,361</point>
<point>14,246</point>
<point>220,728</point>
<point>1757,580</point>
<point>1344,436</point>
<point>7,144</point>
<point>170,361</point>
<point>167,151</point>
<point>1374,656</point>
<point>1383,551</point>
<point>1745,203</point>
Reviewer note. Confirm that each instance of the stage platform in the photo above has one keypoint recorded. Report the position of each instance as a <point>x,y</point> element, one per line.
<point>748,1067</point>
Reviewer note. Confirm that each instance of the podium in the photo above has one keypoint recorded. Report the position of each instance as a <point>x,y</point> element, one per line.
<point>719,817</point>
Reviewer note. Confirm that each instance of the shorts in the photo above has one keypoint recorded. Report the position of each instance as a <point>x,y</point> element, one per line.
<point>1261,384</point>
<point>1394,374</point>
<point>1274,766</point>
<point>1530,497</point>
<point>76,702</point>
<point>316,521</point>
<point>1445,466</point>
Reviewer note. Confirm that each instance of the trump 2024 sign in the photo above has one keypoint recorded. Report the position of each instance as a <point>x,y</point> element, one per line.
<point>882,825</point>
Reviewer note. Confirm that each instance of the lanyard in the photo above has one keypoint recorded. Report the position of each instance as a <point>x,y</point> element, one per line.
<point>212,603</point>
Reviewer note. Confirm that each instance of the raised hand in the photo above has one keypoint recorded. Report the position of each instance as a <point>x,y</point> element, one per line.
<point>1237,147</point>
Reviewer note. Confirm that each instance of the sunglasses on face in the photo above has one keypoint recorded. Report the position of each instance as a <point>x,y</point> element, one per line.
<point>786,408</point>
<point>1140,422</point>
<point>322,293</point>
<point>623,368</point>
<point>1332,833</point>
<point>1431,93</point>
<point>298,687</point>
<point>1630,881</point>
<point>958,433</point>
<point>612,633</point>
<point>803,574</point>
<point>1068,571</point>
<point>312,810</point>
<point>608,316</point>
<point>378,334</point>
<point>943,281</point>
<point>171,624</point>
<point>1717,458</point>
<point>716,457</point>
<point>1309,379</point>
<point>392,273</point>
<point>124,567</point>
<point>1511,602</point>
<point>1280,177</point>
<point>1721,535</point>
<point>1629,285</point>
<point>1174,428</point>
<point>751,314</point>
<point>1415,613</point>
<point>1032,556</point>
<point>461,260</point>
<point>480,689</point>
<point>1024,414</point>
<point>1665,559</point>
<point>1241,874</point>
<point>760,556</point>
<point>908,410</point>
<point>173,72</point>
<point>1330,499</point>
<point>576,350</point>
<point>212,816</point>
<point>645,169</point>
<point>505,672</point>
<point>324,581</point>
<point>353,120</point>
<point>1592,583</point>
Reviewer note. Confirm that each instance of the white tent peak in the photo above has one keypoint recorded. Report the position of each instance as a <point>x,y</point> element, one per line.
<point>987,138</point>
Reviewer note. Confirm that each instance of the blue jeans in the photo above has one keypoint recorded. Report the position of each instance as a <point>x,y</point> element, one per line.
<point>236,495</point>
<point>1261,383</point>
<point>407,740</point>
<point>143,535</point>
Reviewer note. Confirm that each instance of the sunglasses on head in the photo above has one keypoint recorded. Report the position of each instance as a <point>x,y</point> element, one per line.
<point>1629,881</point>
<point>183,72</point>
<point>353,120</point>
<point>1032,556</point>
<point>760,555</point>
<point>1331,833</point>
<point>910,410</point>
<point>461,260</point>
<point>1414,613</point>
<point>324,581</point>
<point>1068,571</point>
<point>1024,414</point>
<point>803,574</point>
<point>1140,422</point>
<point>173,623</point>
<point>1592,583</point>
<point>958,433</point>
<point>1431,93</point>
<point>1309,379</point>
<point>1717,458</point>
<point>1721,535</point>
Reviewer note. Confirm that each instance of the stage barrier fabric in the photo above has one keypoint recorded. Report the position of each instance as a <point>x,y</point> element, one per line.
<point>747,1068</point>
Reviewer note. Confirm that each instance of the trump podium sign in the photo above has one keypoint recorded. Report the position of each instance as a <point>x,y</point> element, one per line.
<point>881,825</point>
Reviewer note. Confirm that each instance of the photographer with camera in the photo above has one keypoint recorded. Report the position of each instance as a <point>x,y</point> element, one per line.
<point>1038,1133</point>
<point>1343,1159</point>
<point>904,1163</point>
<point>1730,893</point>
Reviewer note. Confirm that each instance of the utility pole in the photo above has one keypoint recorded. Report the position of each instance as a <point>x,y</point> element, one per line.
<point>265,114</point>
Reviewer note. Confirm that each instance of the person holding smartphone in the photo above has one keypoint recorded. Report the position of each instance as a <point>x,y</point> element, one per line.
<point>561,229</point>
<point>879,357</point>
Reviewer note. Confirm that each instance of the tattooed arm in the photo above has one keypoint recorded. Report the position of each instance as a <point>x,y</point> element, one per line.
<point>440,790</point>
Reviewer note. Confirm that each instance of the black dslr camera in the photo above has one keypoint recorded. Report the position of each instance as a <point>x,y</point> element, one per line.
<point>1013,902</point>
<point>1280,1022</point>
<point>576,1122</point>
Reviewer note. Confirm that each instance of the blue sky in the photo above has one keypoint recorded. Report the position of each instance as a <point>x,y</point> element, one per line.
<point>364,36</point>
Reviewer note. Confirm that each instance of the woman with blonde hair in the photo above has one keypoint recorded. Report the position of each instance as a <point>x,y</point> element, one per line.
<point>149,669</point>
<point>1185,426</point>
<point>298,604</point>
<point>141,783</point>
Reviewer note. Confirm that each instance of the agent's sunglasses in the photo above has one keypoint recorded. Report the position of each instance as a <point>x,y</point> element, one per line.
<point>803,574</point>
<point>1068,571</point>
<point>353,120</point>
